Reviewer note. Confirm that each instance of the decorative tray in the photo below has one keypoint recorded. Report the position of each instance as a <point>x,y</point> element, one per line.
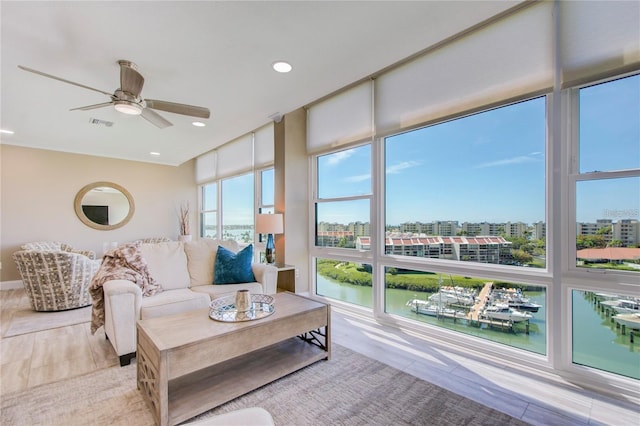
<point>224,309</point>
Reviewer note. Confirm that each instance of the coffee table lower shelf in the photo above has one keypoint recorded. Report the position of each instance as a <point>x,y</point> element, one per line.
<point>208,388</point>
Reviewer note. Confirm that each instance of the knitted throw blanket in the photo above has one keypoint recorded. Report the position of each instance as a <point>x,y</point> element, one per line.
<point>122,263</point>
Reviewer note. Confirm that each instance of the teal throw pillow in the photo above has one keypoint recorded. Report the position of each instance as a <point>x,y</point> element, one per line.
<point>233,268</point>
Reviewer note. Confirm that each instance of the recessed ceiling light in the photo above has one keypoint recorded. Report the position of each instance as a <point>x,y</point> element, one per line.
<point>282,66</point>
<point>154,153</point>
<point>9,132</point>
<point>198,124</point>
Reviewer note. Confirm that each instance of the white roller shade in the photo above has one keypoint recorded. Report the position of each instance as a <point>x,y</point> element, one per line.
<point>264,143</point>
<point>206,167</point>
<point>340,119</point>
<point>598,39</point>
<point>507,59</point>
<point>236,156</point>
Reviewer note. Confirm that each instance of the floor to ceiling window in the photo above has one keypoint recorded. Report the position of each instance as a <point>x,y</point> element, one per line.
<point>504,176</point>
<point>607,218</point>
<point>209,210</point>
<point>343,216</point>
<point>470,190</point>
<point>237,208</point>
<point>236,182</point>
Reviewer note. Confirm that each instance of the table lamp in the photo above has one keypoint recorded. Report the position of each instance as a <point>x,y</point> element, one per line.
<point>269,224</point>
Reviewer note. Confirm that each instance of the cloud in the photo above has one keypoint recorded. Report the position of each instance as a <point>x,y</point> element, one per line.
<point>397,168</point>
<point>358,178</point>
<point>521,159</point>
<point>339,157</point>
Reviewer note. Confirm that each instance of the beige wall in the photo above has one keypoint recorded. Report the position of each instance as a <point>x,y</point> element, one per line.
<point>38,188</point>
<point>292,194</point>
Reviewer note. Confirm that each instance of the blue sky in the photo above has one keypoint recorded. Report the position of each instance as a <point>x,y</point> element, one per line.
<point>491,166</point>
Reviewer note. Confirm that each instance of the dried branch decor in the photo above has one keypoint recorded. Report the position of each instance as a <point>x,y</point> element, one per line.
<point>184,219</point>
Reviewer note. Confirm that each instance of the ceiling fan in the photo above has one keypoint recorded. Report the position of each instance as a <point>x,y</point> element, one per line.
<point>127,100</point>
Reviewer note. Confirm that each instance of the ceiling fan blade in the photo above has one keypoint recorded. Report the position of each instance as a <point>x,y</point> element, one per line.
<point>155,118</point>
<point>193,111</point>
<point>63,80</point>
<point>131,81</point>
<point>88,107</point>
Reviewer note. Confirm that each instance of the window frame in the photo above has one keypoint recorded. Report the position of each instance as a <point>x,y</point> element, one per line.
<point>315,200</point>
<point>560,278</point>
<point>202,211</point>
<point>339,253</point>
<point>257,200</point>
<point>620,282</point>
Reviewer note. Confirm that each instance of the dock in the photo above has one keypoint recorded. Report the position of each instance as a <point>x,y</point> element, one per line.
<point>475,318</point>
<point>481,302</point>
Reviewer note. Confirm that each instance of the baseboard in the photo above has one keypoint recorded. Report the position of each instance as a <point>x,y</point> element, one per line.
<point>11,285</point>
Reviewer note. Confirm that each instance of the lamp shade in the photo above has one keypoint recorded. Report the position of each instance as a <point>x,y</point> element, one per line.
<point>269,223</point>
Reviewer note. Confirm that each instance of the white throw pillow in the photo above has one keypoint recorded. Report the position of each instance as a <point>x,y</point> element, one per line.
<point>201,256</point>
<point>167,264</point>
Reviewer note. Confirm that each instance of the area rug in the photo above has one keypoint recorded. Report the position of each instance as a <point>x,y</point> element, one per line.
<point>29,321</point>
<point>350,389</point>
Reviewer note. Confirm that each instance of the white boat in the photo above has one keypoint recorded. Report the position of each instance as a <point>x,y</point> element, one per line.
<point>515,299</point>
<point>623,306</point>
<point>505,313</point>
<point>524,305</point>
<point>433,309</point>
<point>628,320</point>
<point>452,297</point>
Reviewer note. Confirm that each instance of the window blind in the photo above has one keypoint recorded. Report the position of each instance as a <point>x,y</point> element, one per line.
<point>598,39</point>
<point>508,58</point>
<point>206,167</point>
<point>237,156</point>
<point>341,119</point>
<point>264,146</point>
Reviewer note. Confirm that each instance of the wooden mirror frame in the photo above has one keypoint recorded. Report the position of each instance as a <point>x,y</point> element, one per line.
<point>78,206</point>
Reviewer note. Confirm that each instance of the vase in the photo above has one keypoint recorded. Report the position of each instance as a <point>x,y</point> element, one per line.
<point>184,238</point>
<point>270,250</point>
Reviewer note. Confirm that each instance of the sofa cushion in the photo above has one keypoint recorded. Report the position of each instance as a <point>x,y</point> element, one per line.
<point>167,264</point>
<point>201,256</point>
<point>173,302</point>
<point>215,291</point>
<point>233,268</point>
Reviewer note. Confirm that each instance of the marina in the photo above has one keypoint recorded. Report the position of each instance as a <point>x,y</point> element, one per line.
<point>624,312</point>
<point>489,307</point>
<point>596,340</point>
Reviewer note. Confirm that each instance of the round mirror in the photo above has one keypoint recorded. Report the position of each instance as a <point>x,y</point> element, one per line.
<point>104,205</point>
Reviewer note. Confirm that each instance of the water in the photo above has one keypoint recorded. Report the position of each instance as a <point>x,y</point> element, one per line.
<point>596,341</point>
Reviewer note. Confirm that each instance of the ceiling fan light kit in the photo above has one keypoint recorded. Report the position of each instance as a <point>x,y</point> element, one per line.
<point>127,107</point>
<point>126,99</point>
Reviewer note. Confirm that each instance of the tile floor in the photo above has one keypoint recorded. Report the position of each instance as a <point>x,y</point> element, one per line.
<point>538,399</point>
<point>46,356</point>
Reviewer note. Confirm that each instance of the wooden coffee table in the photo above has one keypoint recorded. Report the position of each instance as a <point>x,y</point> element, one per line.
<point>189,363</point>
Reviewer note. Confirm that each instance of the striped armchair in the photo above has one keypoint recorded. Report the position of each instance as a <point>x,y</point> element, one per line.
<point>56,277</point>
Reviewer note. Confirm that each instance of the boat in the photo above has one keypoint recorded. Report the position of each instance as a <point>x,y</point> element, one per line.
<point>623,306</point>
<point>453,296</point>
<point>628,320</point>
<point>503,312</point>
<point>524,305</point>
<point>515,299</point>
<point>433,309</point>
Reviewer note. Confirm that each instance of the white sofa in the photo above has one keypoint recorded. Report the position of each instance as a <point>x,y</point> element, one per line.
<point>185,271</point>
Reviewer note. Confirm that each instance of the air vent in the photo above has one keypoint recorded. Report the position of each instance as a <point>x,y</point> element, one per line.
<point>99,122</point>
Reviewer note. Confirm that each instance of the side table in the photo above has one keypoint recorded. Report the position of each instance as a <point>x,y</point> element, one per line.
<point>286,277</point>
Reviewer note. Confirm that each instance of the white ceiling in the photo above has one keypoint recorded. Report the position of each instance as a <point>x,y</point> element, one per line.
<point>206,53</point>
